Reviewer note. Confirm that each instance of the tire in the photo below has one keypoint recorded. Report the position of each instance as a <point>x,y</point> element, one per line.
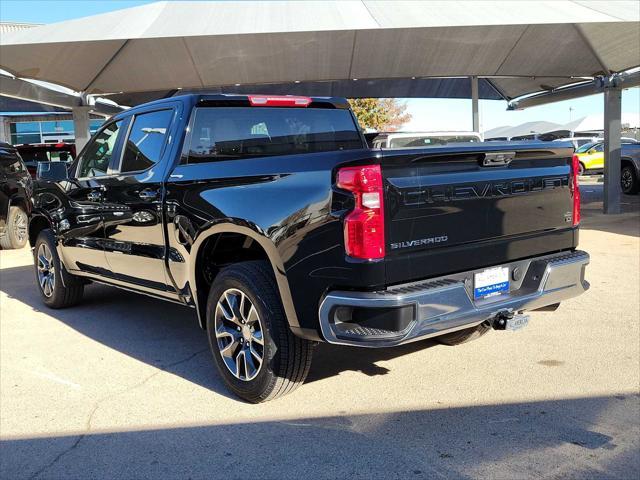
<point>629,180</point>
<point>233,327</point>
<point>463,336</point>
<point>16,233</point>
<point>55,293</point>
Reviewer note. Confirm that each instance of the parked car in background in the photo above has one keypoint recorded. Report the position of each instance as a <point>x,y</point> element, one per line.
<point>422,139</point>
<point>628,140</point>
<point>591,155</point>
<point>577,141</point>
<point>15,198</point>
<point>271,217</point>
<point>630,168</point>
<point>32,154</point>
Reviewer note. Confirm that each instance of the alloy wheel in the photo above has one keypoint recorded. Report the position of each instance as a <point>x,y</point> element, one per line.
<point>46,270</point>
<point>239,334</point>
<point>626,179</point>
<point>20,226</point>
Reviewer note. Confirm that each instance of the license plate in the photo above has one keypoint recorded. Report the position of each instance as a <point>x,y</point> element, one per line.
<point>517,322</point>
<point>490,282</point>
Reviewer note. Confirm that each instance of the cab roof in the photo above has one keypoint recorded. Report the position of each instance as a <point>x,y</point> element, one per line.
<point>244,100</point>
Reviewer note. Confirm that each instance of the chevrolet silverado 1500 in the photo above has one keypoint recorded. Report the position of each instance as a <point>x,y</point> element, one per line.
<point>272,219</point>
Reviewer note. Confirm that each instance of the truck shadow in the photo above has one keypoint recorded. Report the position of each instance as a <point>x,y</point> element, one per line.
<point>167,335</point>
<point>569,438</point>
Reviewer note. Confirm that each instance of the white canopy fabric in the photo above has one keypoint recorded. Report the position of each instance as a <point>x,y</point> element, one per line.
<point>588,124</point>
<point>595,123</point>
<point>522,129</point>
<point>522,47</point>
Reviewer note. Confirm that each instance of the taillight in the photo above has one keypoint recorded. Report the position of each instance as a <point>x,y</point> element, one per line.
<point>364,225</point>
<point>278,101</point>
<point>575,189</point>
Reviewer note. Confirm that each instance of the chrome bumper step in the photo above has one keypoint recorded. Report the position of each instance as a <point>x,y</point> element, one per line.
<point>446,304</point>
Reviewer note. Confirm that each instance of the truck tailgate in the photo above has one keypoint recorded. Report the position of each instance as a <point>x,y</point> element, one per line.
<point>458,207</point>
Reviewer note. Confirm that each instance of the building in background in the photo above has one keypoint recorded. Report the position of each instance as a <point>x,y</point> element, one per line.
<point>40,127</point>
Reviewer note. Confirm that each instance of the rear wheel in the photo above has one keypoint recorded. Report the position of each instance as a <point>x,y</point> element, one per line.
<point>629,180</point>
<point>254,350</point>
<point>16,231</point>
<point>55,292</point>
<point>464,336</point>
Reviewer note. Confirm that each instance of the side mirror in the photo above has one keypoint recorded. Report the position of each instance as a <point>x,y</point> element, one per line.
<point>52,171</point>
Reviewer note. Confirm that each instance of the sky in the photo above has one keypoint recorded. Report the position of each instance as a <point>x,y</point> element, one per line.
<point>427,114</point>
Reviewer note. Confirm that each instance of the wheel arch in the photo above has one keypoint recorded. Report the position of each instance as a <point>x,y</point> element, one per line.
<point>37,223</point>
<point>19,200</point>
<point>624,161</point>
<point>267,250</point>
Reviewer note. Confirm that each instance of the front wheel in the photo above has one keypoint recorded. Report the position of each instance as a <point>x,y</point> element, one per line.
<point>55,292</point>
<point>254,350</point>
<point>629,180</point>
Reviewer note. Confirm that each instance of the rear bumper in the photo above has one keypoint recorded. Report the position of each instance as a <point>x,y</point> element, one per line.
<point>416,311</point>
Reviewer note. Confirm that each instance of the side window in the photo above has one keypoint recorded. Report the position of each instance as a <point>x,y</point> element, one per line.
<point>146,139</point>
<point>600,147</point>
<point>96,158</point>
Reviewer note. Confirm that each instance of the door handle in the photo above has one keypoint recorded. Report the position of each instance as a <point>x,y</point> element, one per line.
<point>148,194</point>
<point>94,196</point>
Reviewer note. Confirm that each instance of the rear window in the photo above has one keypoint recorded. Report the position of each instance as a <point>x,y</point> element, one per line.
<point>227,133</point>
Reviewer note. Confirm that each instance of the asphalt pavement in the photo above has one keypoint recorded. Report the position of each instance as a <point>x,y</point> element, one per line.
<point>123,386</point>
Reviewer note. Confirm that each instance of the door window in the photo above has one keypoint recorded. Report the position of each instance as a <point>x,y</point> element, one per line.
<point>146,140</point>
<point>96,158</point>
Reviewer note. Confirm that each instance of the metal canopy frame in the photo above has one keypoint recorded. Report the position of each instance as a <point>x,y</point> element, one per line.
<point>80,106</point>
<point>517,48</point>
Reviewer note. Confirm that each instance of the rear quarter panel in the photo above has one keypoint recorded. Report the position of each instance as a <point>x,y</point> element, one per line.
<point>284,203</point>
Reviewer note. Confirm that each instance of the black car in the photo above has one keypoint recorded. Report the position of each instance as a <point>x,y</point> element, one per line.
<point>273,220</point>
<point>15,198</point>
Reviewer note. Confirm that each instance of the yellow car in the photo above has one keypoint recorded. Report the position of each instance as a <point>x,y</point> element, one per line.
<point>591,157</point>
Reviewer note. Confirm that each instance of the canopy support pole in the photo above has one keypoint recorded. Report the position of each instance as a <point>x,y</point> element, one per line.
<point>475,116</point>
<point>612,147</point>
<point>81,125</point>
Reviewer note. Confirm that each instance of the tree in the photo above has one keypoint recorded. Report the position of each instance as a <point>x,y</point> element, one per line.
<point>380,114</point>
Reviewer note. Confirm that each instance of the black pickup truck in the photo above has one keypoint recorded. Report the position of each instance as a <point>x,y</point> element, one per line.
<point>272,219</point>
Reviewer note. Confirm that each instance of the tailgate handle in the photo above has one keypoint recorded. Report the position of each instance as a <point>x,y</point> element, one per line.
<point>497,159</point>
